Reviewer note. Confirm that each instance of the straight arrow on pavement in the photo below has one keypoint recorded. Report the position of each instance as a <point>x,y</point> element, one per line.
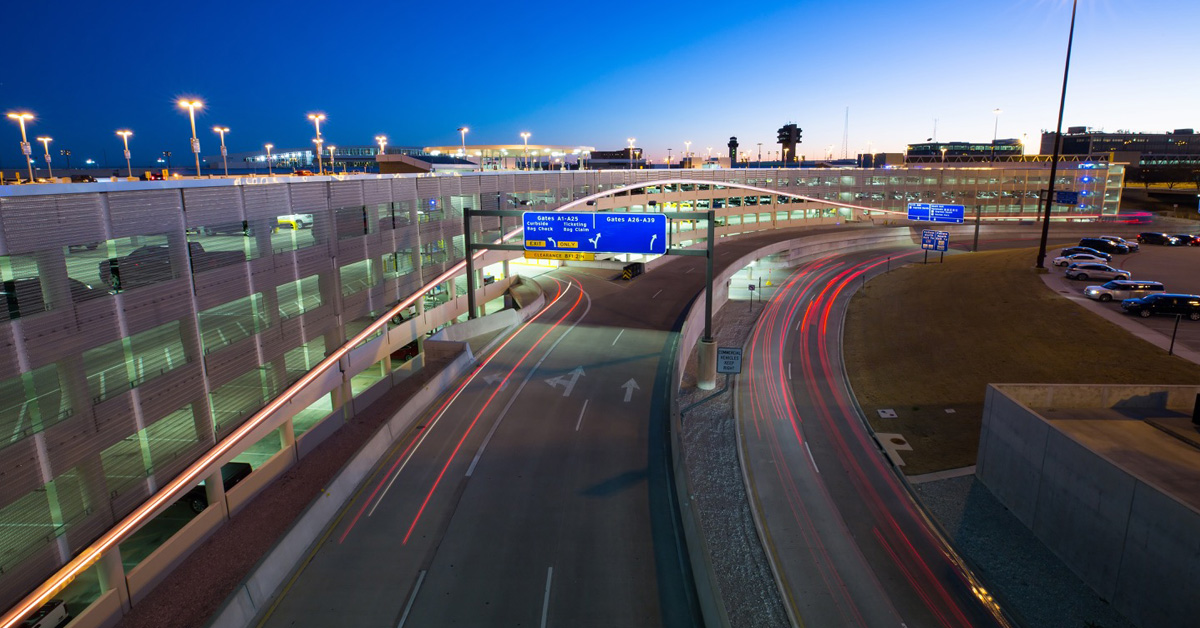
<point>629,387</point>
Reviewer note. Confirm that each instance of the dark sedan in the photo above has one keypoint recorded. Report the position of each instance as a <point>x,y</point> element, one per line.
<point>1187,239</point>
<point>1187,305</point>
<point>1151,237</point>
<point>1071,250</point>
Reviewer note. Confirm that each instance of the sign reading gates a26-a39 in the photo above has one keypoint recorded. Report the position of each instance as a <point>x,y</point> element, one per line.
<point>596,232</point>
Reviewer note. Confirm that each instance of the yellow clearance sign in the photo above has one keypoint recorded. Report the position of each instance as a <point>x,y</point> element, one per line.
<point>569,256</point>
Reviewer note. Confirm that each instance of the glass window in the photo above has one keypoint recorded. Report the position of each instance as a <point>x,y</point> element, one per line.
<point>358,276</point>
<point>155,351</point>
<point>240,398</point>
<point>30,403</point>
<point>298,297</point>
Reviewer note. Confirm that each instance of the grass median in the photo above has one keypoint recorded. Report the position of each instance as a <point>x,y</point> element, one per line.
<point>927,338</point>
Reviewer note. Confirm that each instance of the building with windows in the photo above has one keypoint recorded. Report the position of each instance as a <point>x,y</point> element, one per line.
<point>348,158</point>
<point>137,334</point>
<point>998,150</point>
<point>1179,147</point>
<point>518,156</point>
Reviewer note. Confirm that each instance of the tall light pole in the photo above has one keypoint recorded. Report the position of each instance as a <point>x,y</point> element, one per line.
<point>224,155</point>
<point>317,118</point>
<point>332,165</point>
<point>46,145</point>
<point>382,139</point>
<point>709,149</point>
<point>759,155</point>
<point>668,159</point>
<point>687,150</point>
<point>1041,258</point>
<point>192,106</point>
<point>525,136</point>
<point>125,137</point>
<point>631,140</point>
<point>25,148</point>
<point>269,172</point>
<point>462,130</point>
<point>995,131</point>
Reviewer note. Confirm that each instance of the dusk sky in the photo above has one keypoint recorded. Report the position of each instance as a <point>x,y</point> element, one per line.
<point>588,73</point>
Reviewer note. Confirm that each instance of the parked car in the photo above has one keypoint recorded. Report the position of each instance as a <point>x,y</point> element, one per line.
<point>1107,246</point>
<point>302,173</point>
<point>1187,238</point>
<point>1152,237</point>
<point>1078,258</point>
<point>23,297</point>
<point>1092,270</point>
<point>152,264</point>
<point>298,221</point>
<point>1121,289</point>
<point>230,228</point>
<point>52,614</point>
<point>1187,305</point>
<point>1132,244</point>
<point>1072,250</point>
<point>82,178</point>
<point>231,474</point>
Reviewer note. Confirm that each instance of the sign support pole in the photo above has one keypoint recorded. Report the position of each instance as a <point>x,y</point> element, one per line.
<point>706,358</point>
<point>978,216</point>
<point>470,263</point>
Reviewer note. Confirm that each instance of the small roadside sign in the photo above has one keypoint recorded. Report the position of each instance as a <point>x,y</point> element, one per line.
<point>570,256</point>
<point>729,360</point>
<point>932,240</point>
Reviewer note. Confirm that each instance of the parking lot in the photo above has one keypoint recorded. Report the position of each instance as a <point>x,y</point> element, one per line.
<point>1176,267</point>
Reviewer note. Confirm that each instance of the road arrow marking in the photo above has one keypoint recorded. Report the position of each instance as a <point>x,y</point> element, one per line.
<point>629,387</point>
<point>568,383</point>
<point>492,379</point>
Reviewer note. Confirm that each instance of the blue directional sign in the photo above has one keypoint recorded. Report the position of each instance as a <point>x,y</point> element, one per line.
<point>596,232</point>
<point>932,240</point>
<point>1066,198</point>
<point>935,212</point>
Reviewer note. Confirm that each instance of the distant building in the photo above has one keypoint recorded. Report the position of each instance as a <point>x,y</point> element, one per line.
<point>518,156</point>
<point>998,150</point>
<point>351,158</point>
<point>1179,147</point>
<point>616,159</point>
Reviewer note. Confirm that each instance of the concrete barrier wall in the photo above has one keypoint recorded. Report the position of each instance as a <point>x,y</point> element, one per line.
<point>257,590</point>
<point>1133,544</point>
<point>148,573</point>
<point>105,612</point>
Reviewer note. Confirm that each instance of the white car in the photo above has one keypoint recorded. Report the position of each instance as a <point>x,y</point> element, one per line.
<point>1091,270</point>
<point>1077,258</point>
<point>299,220</point>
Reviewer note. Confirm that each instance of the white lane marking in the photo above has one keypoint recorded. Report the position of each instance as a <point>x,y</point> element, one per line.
<point>446,408</point>
<point>581,410</point>
<point>618,337</point>
<point>546,597</point>
<point>789,370</point>
<point>513,399</point>
<point>689,270</point>
<point>810,457</point>
<point>656,294</point>
<point>412,598</point>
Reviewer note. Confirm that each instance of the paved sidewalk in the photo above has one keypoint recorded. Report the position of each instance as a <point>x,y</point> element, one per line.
<point>1073,291</point>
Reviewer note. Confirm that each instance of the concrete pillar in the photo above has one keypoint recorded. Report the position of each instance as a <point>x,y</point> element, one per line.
<point>706,364</point>
<point>214,490</point>
<point>287,437</point>
<point>111,574</point>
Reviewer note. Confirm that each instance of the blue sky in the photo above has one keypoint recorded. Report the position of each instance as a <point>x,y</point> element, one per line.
<point>590,73</point>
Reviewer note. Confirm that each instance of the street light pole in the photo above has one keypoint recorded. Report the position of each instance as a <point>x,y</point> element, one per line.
<point>269,172</point>
<point>191,106</point>
<point>317,118</point>
<point>125,137</point>
<point>462,130</point>
<point>631,140</point>
<point>1062,101</point>
<point>224,155</point>
<point>525,136</point>
<point>995,132</point>
<point>25,148</point>
<point>46,145</point>
<point>687,149</point>
<point>332,165</point>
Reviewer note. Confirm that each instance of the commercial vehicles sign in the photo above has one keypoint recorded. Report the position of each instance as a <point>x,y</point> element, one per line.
<point>932,240</point>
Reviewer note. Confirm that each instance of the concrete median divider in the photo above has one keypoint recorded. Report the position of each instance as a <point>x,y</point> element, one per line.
<point>257,590</point>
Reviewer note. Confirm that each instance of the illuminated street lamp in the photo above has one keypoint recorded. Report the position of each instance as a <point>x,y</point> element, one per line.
<point>525,136</point>
<point>332,165</point>
<point>224,155</point>
<point>25,148</point>
<point>631,140</point>
<point>269,172</point>
<point>995,132</point>
<point>687,151</point>
<point>382,139</point>
<point>709,149</point>
<point>46,145</point>
<point>192,106</point>
<point>125,137</point>
<point>317,118</point>
<point>462,130</point>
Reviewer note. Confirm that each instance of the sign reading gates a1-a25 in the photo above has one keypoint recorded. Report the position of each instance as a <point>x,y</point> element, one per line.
<point>603,232</point>
<point>932,240</point>
<point>935,212</point>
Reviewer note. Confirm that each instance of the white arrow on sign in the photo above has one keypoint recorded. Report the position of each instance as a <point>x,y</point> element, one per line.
<point>568,382</point>
<point>629,387</point>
